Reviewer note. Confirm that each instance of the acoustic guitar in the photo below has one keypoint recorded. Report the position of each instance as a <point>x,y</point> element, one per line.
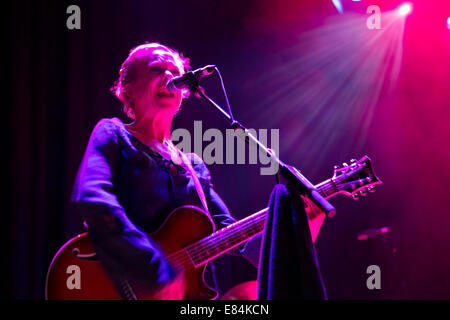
<point>189,242</point>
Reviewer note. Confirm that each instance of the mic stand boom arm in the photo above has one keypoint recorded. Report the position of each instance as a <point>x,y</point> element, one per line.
<point>290,173</point>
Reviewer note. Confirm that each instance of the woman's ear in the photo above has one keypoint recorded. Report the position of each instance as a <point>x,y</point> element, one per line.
<point>129,112</point>
<point>129,97</point>
<point>128,91</point>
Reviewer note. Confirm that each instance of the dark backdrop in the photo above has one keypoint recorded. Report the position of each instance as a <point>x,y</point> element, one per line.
<point>58,84</point>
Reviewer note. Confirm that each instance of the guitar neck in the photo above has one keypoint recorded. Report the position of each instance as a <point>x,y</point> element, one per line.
<point>236,233</point>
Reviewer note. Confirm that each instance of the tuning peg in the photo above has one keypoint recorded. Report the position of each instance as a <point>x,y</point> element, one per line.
<point>336,167</point>
<point>355,196</point>
<point>345,164</point>
<point>353,160</point>
<point>371,189</point>
<point>363,193</point>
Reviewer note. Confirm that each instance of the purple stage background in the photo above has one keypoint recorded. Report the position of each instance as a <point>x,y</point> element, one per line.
<point>333,88</point>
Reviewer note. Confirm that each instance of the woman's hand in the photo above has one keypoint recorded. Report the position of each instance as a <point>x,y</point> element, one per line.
<point>174,290</point>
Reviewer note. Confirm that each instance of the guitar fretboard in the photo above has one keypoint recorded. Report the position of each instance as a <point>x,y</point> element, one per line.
<point>227,238</point>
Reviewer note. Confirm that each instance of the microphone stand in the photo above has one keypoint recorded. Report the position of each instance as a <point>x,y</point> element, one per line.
<point>290,173</point>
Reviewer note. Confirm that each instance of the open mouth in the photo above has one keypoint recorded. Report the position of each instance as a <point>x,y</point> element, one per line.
<point>165,94</point>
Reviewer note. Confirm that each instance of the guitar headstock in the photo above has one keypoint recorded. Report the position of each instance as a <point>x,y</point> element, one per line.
<point>355,179</point>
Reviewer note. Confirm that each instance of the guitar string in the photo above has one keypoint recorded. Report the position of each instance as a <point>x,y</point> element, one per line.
<point>176,262</point>
<point>194,255</point>
<point>139,285</point>
<point>207,244</point>
<point>214,239</point>
<point>178,259</point>
<point>234,235</point>
<point>196,249</point>
<point>223,233</point>
<point>202,248</point>
<point>182,257</point>
<point>233,240</point>
<point>219,235</point>
<point>183,260</point>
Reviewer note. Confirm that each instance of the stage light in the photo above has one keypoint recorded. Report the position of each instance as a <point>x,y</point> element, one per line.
<point>338,6</point>
<point>448,23</point>
<point>405,9</point>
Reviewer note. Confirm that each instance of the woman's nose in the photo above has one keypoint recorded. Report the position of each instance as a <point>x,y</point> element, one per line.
<point>168,75</point>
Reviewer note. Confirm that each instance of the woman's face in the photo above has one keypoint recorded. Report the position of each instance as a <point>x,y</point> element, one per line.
<point>149,91</point>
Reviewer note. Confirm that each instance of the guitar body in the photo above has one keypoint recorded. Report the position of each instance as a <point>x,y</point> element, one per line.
<point>75,272</point>
<point>187,235</point>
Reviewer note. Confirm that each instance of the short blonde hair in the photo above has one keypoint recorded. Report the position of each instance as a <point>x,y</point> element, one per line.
<point>129,70</point>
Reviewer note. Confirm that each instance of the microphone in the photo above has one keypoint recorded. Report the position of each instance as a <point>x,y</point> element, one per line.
<point>189,78</point>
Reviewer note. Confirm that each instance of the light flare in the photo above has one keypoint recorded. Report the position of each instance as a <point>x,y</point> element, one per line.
<point>405,9</point>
